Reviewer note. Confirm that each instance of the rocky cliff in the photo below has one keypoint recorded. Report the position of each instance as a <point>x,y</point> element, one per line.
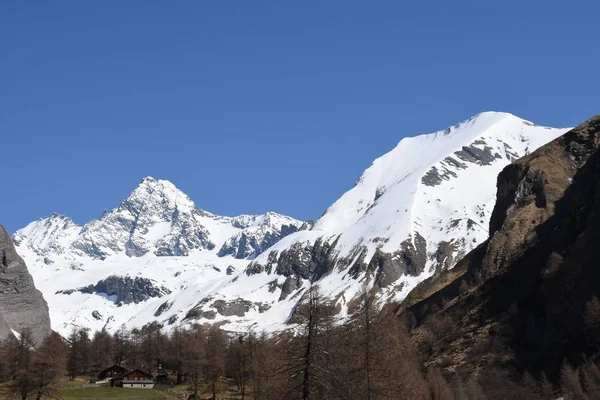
<point>521,299</point>
<point>21,304</point>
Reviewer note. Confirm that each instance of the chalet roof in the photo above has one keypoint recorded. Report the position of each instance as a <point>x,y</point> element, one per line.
<point>139,371</point>
<point>117,368</point>
<point>138,382</point>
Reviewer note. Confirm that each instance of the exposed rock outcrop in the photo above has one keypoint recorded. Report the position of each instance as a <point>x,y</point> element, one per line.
<point>125,289</point>
<point>251,242</point>
<point>21,304</point>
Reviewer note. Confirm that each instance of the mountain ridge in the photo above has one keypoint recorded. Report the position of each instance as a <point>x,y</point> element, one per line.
<point>414,212</point>
<point>139,225</point>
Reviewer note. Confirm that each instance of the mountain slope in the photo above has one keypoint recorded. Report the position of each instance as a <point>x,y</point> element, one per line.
<point>21,304</point>
<point>416,211</point>
<point>523,296</point>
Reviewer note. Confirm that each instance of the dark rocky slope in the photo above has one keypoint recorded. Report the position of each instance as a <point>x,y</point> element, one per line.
<point>21,304</point>
<point>521,299</point>
<point>124,289</point>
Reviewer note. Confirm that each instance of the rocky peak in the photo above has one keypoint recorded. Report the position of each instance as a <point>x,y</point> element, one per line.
<point>158,199</point>
<point>259,233</point>
<point>48,234</point>
<point>156,216</point>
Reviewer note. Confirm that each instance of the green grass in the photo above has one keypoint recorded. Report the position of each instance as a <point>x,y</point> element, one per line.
<point>101,393</point>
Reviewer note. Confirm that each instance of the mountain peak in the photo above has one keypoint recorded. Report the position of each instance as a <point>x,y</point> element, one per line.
<point>148,179</point>
<point>150,182</point>
<point>48,232</point>
<point>159,192</point>
<point>481,122</point>
<point>54,219</point>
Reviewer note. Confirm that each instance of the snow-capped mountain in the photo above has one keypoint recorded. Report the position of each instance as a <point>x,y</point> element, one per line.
<point>416,210</point>
<point>123,258</point>
<point>155,218</point>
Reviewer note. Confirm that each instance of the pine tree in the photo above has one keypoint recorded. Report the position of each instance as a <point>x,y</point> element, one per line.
<point>530,386</point>
<point>546,387</point>
<point>571,383</point>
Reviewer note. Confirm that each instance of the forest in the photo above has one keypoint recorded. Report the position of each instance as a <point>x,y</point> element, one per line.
<point>370,355</point>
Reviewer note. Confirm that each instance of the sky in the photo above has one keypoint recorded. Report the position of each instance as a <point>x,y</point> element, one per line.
<point>252,106</point>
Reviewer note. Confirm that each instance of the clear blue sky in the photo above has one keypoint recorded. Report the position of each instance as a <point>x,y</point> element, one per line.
<point>250,106</point>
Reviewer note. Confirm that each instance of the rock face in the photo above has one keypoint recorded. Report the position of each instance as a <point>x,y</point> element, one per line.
<point>258,234</point>
<point>522,294</point>
<point>21,304</point>
<point>125,289</point>
<point>153,205</point>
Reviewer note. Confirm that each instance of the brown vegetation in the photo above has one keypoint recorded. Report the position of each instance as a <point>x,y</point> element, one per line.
<point>371,356</point>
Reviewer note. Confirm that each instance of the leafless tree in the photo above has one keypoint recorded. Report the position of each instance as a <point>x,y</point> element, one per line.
<point>49,363</point>
<point>23,383</point>
<point>238,355</point>
<point>213,362</point>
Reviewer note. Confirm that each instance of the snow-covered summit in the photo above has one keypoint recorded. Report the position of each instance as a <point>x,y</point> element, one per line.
<point>52,234</point>
<point>418,167</point>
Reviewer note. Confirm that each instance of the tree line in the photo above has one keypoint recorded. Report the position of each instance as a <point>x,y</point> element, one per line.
<point>371,355</point>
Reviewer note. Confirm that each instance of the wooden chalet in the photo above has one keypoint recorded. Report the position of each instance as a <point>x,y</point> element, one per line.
<point>138,379</point>
<point>116,371</point>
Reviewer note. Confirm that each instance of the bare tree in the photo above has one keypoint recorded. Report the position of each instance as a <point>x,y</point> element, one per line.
<point>362,343</point>
<point>11,349</point>
<point>307,370</point>
<point>120,339</point>
<point>78,360</point>
<point>23,383</point>
<point>267,371</point>
<point>48,365</point>
<point>101,351</point>
<point>238,355</point>
<point>192,362</point>
<point>175,355</point>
